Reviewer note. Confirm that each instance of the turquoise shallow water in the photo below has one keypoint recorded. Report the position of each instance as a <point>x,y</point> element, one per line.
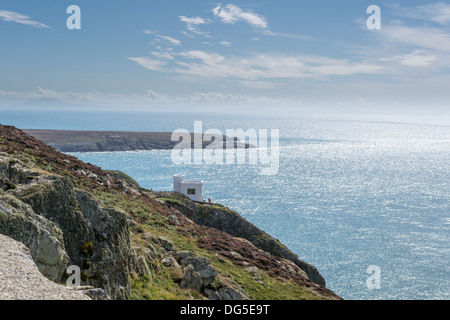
<point>349,193</point>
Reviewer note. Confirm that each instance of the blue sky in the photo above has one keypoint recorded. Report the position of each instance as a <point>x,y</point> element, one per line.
<point>301,55</point>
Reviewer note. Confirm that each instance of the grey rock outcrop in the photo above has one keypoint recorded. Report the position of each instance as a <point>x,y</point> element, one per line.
<point>200,275</point>
<point>43,238</point>
<point>64,226</point>
<point>204,268</point>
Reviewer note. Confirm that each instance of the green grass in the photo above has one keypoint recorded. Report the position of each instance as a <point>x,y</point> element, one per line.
<point>160,287</point>
<point>124,176</point>
<point>171,201</point>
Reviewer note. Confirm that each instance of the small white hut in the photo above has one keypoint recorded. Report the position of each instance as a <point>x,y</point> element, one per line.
<point>192,189</point>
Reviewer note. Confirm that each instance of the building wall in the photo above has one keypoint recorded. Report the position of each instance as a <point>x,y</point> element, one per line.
<point>182,186</point>
<point>177,180</point>
<point>197,186</point>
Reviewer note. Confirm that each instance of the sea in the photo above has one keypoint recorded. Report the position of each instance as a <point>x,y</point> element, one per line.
<point>363,197</point>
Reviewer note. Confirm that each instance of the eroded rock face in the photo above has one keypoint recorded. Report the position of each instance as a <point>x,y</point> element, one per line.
<point>64,226</point>
<point>43,238</point>
<point>112,256</point>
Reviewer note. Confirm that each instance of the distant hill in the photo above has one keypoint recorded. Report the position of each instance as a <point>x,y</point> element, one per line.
<point>108,141</point>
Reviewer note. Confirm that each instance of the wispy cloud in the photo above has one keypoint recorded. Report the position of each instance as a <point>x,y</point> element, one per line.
<point>145,99</point>
<point>260,84</point>
<point>414,59</point>
<point>170,39</point>
<point>232,14</point>
<point>416,44</point>
<point>11,16</point>
<point>253,71</point>
<point>436,12</point>
<point>173,41</point>
<point>192,25</point>
<point>151,64</point>
<point>162,55</point>
<point>421,36</point>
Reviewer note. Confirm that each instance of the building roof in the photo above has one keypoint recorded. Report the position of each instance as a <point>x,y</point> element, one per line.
<point>192,182</point>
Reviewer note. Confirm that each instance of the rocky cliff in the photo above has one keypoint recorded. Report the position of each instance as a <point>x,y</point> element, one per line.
<point>133,243</point>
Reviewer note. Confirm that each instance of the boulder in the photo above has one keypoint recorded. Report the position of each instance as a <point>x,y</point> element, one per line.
<point>212,294</point>
<point>230,290</point>
<point>170,262</point>
<point>191,279</point>
<point>230,293</point>
<point>183,255</point>
<point>203,266</point>
<point>166,243</point>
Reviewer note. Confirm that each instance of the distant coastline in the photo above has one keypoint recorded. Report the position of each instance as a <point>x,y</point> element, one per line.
<point>112,141</point>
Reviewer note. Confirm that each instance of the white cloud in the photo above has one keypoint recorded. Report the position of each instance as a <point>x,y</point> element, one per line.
<point>46,93</point>
<point>232,14</point>
<point>345,68</point>
<point>192,25</point>
<point>151,94</point>
<point>148,98</point>
<point>22,19</point>
<point>206,57</point>
<point>163,55</point>
<point>226,43</point>
<point>259,84</point>
<point>436,12</point>
<point>253,71</point>
<point>218,97</point>
<point>415,59</point>
<point>170,39</point>
<point>156,65</point>
<point>193,21</point>
<point>423,37</point>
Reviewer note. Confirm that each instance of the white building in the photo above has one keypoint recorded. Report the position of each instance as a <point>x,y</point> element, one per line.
<point>192,189</point>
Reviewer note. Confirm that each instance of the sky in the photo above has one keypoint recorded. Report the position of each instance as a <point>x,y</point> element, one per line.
<point>309,55</point>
